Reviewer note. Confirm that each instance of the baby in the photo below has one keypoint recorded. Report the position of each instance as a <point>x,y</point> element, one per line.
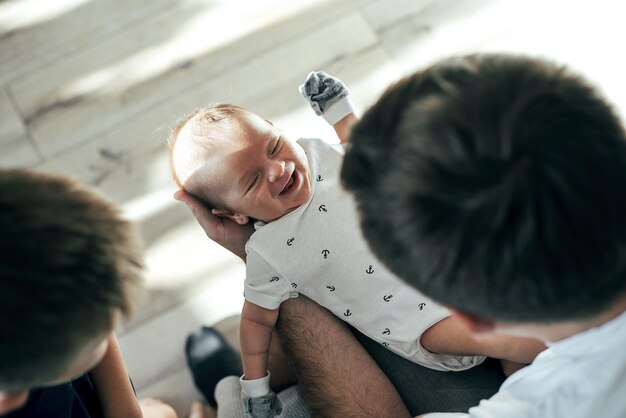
<point>308,240</point>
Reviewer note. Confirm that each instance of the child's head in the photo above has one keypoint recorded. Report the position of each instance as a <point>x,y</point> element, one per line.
<point>495,184</point>
<point>239,164</point>
<point>68,265</point>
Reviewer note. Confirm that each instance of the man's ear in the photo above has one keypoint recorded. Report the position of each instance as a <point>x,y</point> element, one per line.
<point>476,324</point>
<point>240,218</point>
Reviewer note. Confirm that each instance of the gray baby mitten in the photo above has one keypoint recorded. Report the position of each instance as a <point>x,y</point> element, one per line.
<point>259,401</point>
<point>327,95</point>
<point>266,406</point>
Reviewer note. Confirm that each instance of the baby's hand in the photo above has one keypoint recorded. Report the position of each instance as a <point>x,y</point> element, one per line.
<point>328,96</point>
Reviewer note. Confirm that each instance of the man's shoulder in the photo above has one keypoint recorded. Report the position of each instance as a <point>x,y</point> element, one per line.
<point>559,385</point>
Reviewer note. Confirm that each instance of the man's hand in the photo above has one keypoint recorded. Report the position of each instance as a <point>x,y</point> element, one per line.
<point>225,232</point>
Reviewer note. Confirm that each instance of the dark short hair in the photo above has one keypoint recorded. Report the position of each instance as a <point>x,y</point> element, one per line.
<point>68,261</point>
<point>495,185</point>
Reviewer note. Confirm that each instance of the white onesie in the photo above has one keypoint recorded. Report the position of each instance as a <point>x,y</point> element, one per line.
<point>318,250</point>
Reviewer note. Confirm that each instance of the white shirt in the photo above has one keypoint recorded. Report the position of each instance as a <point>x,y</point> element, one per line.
<point>318,250</point>
<point>581,376</point>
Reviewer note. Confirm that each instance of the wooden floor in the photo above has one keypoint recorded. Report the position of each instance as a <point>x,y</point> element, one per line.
<point>88,88</point>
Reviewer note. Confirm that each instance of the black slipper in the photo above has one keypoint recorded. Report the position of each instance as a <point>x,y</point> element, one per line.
<point>210,358</point>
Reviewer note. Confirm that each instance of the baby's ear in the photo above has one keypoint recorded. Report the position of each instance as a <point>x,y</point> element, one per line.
<point>240,218</point>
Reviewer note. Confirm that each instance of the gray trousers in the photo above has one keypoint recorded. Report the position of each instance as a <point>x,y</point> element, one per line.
<point>422,390</point>
<point>425,390</point>
<point>228,397</point>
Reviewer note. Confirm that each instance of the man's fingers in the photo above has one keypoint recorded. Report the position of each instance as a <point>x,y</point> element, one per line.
<point>206,219</point>
<point>180,195</point>
<point>224,231</point>
<point>194,204</point>
<point>187,199</point>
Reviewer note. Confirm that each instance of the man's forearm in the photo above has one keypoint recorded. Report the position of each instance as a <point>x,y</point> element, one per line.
<point>337,376</point>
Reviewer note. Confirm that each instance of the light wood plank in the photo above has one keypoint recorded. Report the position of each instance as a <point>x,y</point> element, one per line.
<point>154,61</point>
<point>179,264</point>
<point>385,13</point>
<point>37,44</point>
<point>440,31</point>
<point>109,162</point>
<point>17,152</point>
<point>11,125</point>
<point>142,183</point>
<point>160,341</point>
<point>366,73</point>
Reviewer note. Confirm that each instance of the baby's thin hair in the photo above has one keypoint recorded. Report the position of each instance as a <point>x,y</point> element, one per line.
<point>206,116</point>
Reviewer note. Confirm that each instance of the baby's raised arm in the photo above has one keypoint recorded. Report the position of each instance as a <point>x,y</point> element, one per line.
<point>330,98</point>
<point>256,328</point>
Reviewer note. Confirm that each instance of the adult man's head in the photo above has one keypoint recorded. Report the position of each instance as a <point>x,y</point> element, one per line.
<point>494,184</point>
<point>68,266</point>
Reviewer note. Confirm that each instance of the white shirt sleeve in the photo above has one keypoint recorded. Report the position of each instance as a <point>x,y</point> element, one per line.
<point>264,286</point>
<point>447,415</point>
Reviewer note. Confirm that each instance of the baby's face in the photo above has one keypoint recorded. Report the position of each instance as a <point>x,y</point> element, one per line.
<point>258,171</point>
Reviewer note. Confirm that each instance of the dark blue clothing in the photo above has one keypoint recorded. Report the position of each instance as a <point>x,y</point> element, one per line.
<point>75,399</point>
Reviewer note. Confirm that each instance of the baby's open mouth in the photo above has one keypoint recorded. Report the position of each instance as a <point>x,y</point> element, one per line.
<point>290,183</point>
